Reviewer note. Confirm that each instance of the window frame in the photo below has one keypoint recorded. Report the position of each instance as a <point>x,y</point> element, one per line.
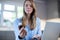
<point>2,19</point>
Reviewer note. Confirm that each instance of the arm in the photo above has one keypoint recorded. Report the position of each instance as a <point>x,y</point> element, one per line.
<point>39,28</point>
<point>16,30</point>
<point>38,35</point>
<point>22,33</point>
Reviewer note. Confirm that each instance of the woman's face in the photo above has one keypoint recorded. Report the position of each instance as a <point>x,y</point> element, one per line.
<point>28,7</point>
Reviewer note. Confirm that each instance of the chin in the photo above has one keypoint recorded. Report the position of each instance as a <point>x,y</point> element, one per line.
<point>28,13</point>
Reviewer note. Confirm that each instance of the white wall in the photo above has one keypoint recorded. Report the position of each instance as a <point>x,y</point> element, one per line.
<point>41,9</point>
<point>52,9</point>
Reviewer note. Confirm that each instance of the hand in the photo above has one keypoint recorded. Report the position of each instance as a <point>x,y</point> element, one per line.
<point>20,26</point>
<point>23,32</point>
<point>36,37</point>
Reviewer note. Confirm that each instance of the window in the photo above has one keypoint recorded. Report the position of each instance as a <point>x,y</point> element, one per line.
<point>0,6</point>
<point>9,13</point>
<point>9,7</point>
<point>0,14</point>
<point>0,17</point>
<point>19,12</point>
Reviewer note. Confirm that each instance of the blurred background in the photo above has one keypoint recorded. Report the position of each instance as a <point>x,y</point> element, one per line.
<point>47,10</point>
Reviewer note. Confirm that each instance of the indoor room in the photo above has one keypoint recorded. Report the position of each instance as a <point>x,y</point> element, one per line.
<point>48,11</point>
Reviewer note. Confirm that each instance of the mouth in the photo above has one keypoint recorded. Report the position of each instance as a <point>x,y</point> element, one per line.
<point>28,10</point>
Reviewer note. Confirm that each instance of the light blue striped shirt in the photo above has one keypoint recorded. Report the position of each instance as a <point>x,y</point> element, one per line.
<point>30,33</point>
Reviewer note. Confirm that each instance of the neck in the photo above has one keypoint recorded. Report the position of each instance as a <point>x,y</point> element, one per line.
<point>28,16</point>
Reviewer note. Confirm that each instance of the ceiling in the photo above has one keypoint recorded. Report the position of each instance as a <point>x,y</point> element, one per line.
<point>21,0</point>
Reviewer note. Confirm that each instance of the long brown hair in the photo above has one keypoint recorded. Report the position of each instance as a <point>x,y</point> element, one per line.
<point>32,19</point>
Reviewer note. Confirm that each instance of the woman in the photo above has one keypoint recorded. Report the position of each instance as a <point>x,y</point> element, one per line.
<point>30,28</point>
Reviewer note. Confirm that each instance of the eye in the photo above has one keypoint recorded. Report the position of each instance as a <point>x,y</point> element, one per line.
<point>26,5</point>
<point>30,5</point>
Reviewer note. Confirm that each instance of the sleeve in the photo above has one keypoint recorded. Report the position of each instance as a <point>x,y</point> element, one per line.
<point>16,30</point>
<point>39,27</point>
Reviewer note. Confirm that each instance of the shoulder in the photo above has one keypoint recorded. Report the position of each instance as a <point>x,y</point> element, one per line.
<point>18,20</point>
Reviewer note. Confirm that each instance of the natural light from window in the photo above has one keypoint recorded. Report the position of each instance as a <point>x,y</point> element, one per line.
<point>9,15</point>
<point>0,6</point>
<point>9,7</point>
<point>19,12</point>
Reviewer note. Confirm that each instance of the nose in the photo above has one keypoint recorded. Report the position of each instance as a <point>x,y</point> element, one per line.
<point>28,7</point>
